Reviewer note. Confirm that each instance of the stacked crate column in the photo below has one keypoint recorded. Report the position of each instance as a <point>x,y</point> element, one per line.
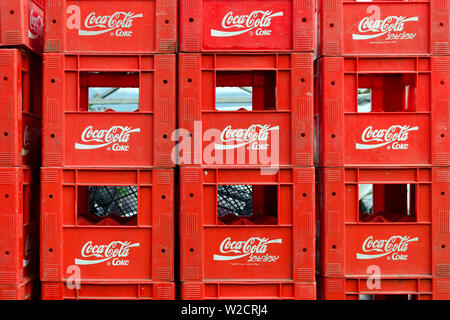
<point>108,177</point>
<point>20,122</point>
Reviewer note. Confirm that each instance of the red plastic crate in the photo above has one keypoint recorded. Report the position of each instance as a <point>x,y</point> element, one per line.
<point>19,213</point>
<point>20,108</point>
<point>252,26</point>
<point>117,26</point>
<point>277,131</point>
<point>275,242</point>
<point>258,290</point>
<point>396,219</point>
<point>22,24</point>
<point>131,242</point>
<point>25,290</point>
<point>109,291</point>
<point>402,120</point>
<point>386,27</point>
<point>75,136</point>
<point>389,289</point>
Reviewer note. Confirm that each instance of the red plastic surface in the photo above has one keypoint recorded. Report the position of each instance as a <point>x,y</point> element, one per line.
<point>19,213</point>
<point>402,27</point>
<point>252,25</point>
<point>73,136</point>
<point>393,288</point>
<point>20,108</point>
<point>397,132</point>
<point>278,251</point>
<point>138,290</point>
<point>116,26</point>
<point>139,253</point>
<point>22,24</point>
<point>260,290</point>
<point>282,109</point>
<point>406,246</point>
<point>25,290</point>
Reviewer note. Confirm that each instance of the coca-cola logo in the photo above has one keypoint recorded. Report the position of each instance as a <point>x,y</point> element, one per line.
<point>116,251</point>
<point>118,23</point>
<point>36,27</point>
<point>258,19</point>
<point>395,248</point>
<point>117,136</point>
<point>254,248</point>
<point>395,135</point>
<point>255,135</point>
<point>392,26</point>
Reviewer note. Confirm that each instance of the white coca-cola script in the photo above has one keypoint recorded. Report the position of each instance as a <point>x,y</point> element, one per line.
<point>254,248</point>
<point>116,251</point>
<point>258,19</point>
<point>393,27</point>
<point>396,246</point>
<point>397,135</point>
<point>256,136</point>
<point>118,22</point>
<point>118,136</point>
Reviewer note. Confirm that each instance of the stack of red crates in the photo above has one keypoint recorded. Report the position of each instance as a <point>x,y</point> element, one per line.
<point>109,111</point>
<point>245,148</point>
<point>382,134</point>
<point>21,38</point>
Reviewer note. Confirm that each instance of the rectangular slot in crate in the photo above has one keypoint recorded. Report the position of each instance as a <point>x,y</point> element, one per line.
<point>19,216</point>
<point>22,24</point>
<point>112,224</point>
<point>115,110</point>
<point>275,242</point>
<point>396,219</point>
<point>237,110</point>
<point>382,111</point>
<point>247,204</point>
<point>252,26</point>
<point>120,26</point>
<point>425,288</point>
<point>383,28</point>
<point>20,108</point>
